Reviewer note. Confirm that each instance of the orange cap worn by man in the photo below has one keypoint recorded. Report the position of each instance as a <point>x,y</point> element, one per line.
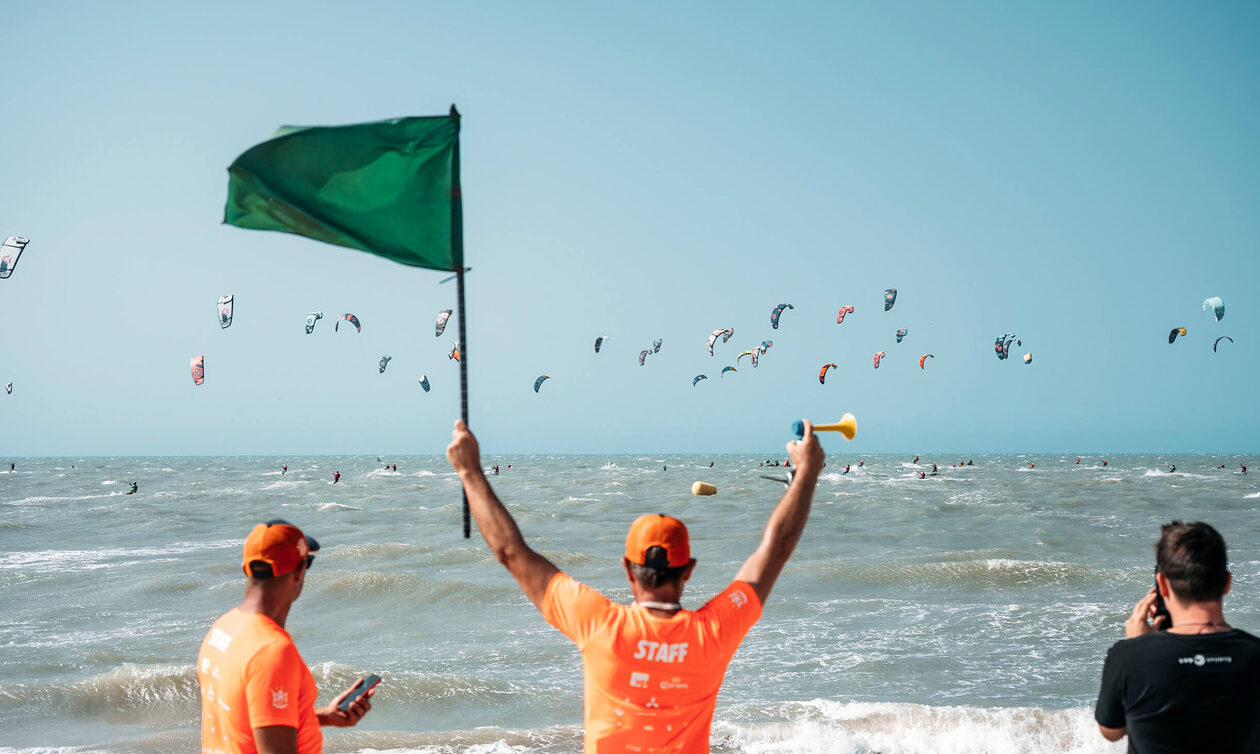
<point>257,695</point>
<point>652,669</point>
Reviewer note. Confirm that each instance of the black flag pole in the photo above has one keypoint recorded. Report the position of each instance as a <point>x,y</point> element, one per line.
<point>463,379</point>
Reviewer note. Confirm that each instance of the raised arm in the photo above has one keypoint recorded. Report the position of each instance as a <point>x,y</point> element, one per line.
<point>787,522</point>
<point>531,570</point>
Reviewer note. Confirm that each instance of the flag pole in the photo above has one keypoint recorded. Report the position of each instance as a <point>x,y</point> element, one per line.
<point>463,379</point>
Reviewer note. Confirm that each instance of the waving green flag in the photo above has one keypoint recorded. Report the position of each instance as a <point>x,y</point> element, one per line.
<point>390,188</point>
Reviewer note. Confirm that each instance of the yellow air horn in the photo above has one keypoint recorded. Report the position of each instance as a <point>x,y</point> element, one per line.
<point>847,426</point>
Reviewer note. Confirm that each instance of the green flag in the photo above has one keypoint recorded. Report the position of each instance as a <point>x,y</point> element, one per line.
<point>390,188</point>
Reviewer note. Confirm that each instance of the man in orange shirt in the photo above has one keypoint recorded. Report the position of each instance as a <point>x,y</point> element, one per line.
<point>652,669</point>
<point>257,695</point>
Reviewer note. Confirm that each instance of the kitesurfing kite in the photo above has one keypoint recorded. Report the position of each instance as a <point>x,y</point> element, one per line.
<point>454,354</point>
<point>778,310</point>
<point>538,382</point>
<point>843,311</point>
<point>311,319</point>
<point>727,369</point>
<point>439,326</point>
<point>1173,333</point>
<point>599,342</point>
<point>384,361</point>
<point>643,356</point>
<point>1218,340</point>
<point>13,246</point>
<point>225,311</point>
<point>742,354</point>
<point>925,357</point>
<point>656,345</point>
<point>9,388</point>
<point>766,344</point>
<point>1217,306</point>
<point>697,378</point>
<point>726,334</point>
<point>754,356</point>
<point>1028,358</point>
<point>877,357</point>
<point>890,298</point>
<point>902,333</point>
<point>822,373</point>
<point>198,366</point>
<point>348,317</point>
<point>424,382</point>
<point>1002,346</point>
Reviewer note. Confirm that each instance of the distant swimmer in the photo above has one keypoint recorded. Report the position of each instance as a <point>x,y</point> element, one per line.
<point>496,469</point>
<point>846,469</point>
<point>336,477</point>
<point>284,469</point>
<point>135,487</point>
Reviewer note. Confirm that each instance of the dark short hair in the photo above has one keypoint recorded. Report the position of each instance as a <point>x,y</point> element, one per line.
<point>1192,558</point>
<point>654,577</point>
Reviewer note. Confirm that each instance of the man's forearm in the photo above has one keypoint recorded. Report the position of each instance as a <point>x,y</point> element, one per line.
<point>787,522</point>
<point>496,525</point>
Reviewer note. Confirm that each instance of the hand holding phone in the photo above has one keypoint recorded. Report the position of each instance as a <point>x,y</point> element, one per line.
<point>1161,609</point>
<point>365,685</point>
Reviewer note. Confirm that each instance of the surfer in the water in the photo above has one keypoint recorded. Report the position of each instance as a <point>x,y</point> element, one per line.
<point>916,459</point>
<point>496,469</point>
<point>135,487</point>
<point>284,469</point>
<point>625,647</point>
<point>336,477</point>
<point>846,469</point>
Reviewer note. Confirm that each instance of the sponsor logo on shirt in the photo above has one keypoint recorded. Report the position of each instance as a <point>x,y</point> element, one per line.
<point>660,651</point>
<point>639,680</point>
<point>739,599</point>
<point>279,698</point>
<point>219,639</point>
<point>673,683</point>
<point>1199,660</point>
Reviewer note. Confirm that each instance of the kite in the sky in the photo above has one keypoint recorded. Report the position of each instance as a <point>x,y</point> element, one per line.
<point>454,354</point>
<point>1028,358</point>
<point>198,367</point>
<point>822,373</point>
<point>424,382</point>
<point>656,345</point>
<point>13,246</point>
<point>8,388</point>
<point>225,311</point>
<point>1002,345</point>
<point>742,354</point>
<point>1173,333</point>
<point>728,369</point>
<point>901,334</point>
<point>725,334</point>
<point>877,357</point>
<point>778,310</point>
<point>384,362</point>
<point>890,298</point>
<point>440,325</point>
<point>1216,305</point>
<point>348,317</point>
<point>925,357</point>
<point>697,378</point>
<point>311,319</point>
<point>538,382</point>
<point>843,311</point>
<point>1218,340</point>
<point>599,342</point>
<point>643,356</point>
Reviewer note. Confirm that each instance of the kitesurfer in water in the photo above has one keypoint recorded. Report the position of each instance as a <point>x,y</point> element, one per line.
<point>496,469</point>
<point>284,469</point>
<point>933,468</point>
<point>1244,468</point>
<point>916,459</point>
<point>135,487</point>
<point>710,464</point>
<point>861,464</point>
<point>922,475</point>
<point>1104,463</point>
<point>12,467</point>
<point>1171,468</point>
<point>846,469</point>
<point>336,477</point>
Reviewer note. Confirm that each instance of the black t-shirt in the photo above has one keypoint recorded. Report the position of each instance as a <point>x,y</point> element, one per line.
<point>1184,693</point>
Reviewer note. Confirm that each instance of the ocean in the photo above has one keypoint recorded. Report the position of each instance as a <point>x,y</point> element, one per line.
<point>964,612</point>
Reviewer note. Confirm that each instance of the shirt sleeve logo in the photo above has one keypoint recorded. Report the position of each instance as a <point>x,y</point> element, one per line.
<point>739,599</point>
<point>639,680</point>
<point>279,698</point>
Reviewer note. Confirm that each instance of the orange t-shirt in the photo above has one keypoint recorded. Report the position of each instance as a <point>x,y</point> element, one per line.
<point>650,683</point>
<point>252,676</point>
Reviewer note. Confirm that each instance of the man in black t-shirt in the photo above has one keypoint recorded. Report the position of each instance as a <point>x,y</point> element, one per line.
<point>1187,681</point>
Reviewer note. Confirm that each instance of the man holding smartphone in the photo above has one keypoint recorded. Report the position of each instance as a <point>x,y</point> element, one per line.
<point>652,669</point>
<point>257,695</point>
<point>1194,686</point>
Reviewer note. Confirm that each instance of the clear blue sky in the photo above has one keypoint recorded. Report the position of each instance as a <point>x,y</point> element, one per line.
<point>1081,174</point>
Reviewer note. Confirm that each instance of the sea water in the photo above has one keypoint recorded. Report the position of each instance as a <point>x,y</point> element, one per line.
<point>964,612</point>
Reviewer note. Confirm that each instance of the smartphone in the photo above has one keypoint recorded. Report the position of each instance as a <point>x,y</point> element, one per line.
<point>1162,609</point>
<point>367,685</point>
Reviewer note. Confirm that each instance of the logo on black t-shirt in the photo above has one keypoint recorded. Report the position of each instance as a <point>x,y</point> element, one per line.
<point>1199,660</point>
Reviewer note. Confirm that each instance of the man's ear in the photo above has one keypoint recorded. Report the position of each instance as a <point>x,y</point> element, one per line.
<point>690,566</point>
<point>625,563</point>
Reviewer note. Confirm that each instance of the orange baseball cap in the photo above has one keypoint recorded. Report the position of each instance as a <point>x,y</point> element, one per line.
<point>275,548</point>
<point>658,530</point>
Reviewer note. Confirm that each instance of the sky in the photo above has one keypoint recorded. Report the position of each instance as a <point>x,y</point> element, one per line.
<point>1080,174</point>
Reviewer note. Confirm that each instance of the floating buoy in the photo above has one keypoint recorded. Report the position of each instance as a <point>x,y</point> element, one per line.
<point>703,488</point>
